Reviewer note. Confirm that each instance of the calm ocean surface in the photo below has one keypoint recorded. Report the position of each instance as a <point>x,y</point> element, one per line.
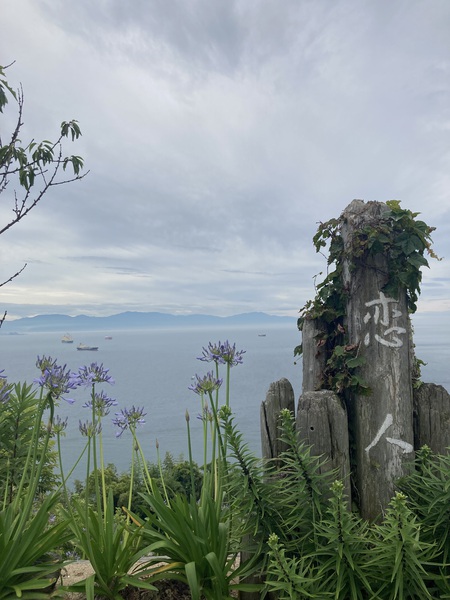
<point>154,368</point>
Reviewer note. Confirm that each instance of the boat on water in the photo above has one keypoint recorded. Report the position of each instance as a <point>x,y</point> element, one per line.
<point>67,339</point>
<point>86,347</point>
<point>108,337</point>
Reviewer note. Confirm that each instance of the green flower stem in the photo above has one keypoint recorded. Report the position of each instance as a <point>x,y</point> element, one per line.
<point>77,461</point>
<point>227,400</point>
<point>222,462</point>
<point>88,466</point>
<point>227,390</point>
<point>214,465</point>
<point>191,462</point>
<point>61,470</point>
<point>205,433</point>
<point>102,470</point>
<point>94,455</point>
<point>35,436</point>
<point>161,473</point>
<point>130,495</point>
<point>138,448</point>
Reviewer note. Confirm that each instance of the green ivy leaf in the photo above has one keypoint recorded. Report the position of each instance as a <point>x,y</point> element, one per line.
<point>359,381</point>
<point>357,361</point>
<point>411,244</point>
<point>339,351</point>
<point>417,260</point>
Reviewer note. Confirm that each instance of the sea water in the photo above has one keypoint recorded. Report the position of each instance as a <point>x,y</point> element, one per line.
<point>154,368</point>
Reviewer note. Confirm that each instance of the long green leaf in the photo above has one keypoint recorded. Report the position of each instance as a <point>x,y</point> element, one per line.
<point>191,575</point>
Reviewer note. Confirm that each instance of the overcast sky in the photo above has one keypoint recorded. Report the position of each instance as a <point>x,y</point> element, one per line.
<point>218,133</point>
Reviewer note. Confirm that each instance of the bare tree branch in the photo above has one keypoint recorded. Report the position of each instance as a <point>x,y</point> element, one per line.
<point>13,276</point>
<point>36,164</point>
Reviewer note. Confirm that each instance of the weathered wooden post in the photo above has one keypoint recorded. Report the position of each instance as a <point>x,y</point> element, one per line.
<point>432,418</point>
<point>321,423</point>
<point>314,354</point>
<point>280,395</point>
<point>379,325</point>
<point>321,420</point>
<point>356,335</point>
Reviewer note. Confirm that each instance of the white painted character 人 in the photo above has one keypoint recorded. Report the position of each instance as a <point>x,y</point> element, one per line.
<point>405,447</point>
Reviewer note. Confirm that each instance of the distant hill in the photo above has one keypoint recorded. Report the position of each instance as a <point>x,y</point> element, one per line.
<point>137,320</point>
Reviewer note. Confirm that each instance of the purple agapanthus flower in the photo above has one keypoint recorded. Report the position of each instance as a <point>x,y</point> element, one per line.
<point>60,425</point>
<point>88,429</point>
<point>94,373</point>
<point>206,384</point>
<point>102,404</point>
<point>222,353</point>
<point>57,380</point>
<point>45,362</point>
<point>128,418</point>
<point>206,416</point>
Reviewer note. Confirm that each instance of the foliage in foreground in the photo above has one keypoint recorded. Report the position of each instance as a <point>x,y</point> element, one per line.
<point>312,546</point>
<point>289,522</point>
<point>176,475</point>
<point>112,550</point>
<point>29,539</point>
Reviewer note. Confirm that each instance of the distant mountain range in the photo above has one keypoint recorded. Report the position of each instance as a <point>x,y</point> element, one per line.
<point>137,320</point>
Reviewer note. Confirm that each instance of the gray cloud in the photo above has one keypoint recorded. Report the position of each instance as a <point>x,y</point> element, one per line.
<point>218,134</point>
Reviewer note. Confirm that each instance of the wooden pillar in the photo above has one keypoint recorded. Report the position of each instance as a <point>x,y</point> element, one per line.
<point>322,424</point>
<point>382,423</point>
<point>432,418</point>
<point>314,354</point>
<point>280,395</point>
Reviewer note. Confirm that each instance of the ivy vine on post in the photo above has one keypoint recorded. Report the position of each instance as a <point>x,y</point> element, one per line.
<point>403,240</point>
